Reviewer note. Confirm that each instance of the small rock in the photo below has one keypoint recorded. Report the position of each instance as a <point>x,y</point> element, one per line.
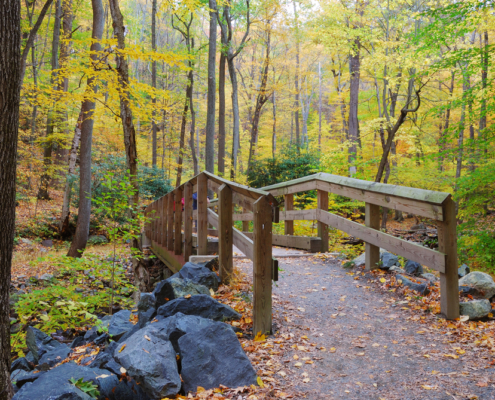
<point>148,356</point>
<point>417,227</point>
<point>212,357</point>
<point>79,290</point>
<point>463,270</point>
<point>481,281</point>
<point>430,277</point>
<point>399,270</point>
<point>413,268</point>
<point>175,287</point>
<point>78,341</point>
<point>91,334</point>
<point>120,324</point>
<point>212,265</point>
<point>104,337</point>
<point>421,288</point>
<point>26,241</point>
<point>21,363</point>
<point>46,277</point>
<point>55,356</point>
<point>476,309</point>
<point>145,316</point>
<point>146,301</point>
<point>201,305</point>
<point>388,260</point>
<point>47,243</point>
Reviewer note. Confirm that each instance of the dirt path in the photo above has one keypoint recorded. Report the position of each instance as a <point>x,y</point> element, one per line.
<point>353,341</point>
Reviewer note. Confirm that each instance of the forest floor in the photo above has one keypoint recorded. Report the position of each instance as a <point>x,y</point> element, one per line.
<point>347,335</point>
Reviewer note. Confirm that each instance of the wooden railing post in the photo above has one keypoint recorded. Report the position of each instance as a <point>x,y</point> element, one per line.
<point>159,214</point>
<point>202,215</point>
<point>323,228</point>
<point>262,265</point>
<point>372,220</point>
<point>155,222</point>
<point>188,221</point>
<point>170,222</point>
<point>447,244</point>
<point>245,224</point>
<point>289,206</point>
<point>178,221</point>
<point>225,233</point>
<point>164,218</point>
<point>147,225</point>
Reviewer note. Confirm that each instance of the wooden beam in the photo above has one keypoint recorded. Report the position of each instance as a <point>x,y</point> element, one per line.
<point>170,221</point>
<point>178,221</point>
<point>160,220</point>
<point>385,200</point>
<point>409,250</point>
<point>372,220</point>
<point>295,188</point>
<point>323,228</point>
<point>188,221</point>
<point>289,206</point>
<point>168,258</point>
<point>243,201</point>
<point>225,233</point>
<point>243,217</point>
<point>245,224</point>
<point>311,244</point>
<point>202,215</point>
<point>262,266</point>
<point>449,279</point>
<point>298,215</point>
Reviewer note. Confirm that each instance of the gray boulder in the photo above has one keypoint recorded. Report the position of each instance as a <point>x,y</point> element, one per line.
<point>399,270</point>
<point>55,356</point>
<point>201,305</point>
<point>388,260</point>
<point>78,341</point>
<point>40,343</point>
<point>481,281</point>
<point>21,363</point>
<point>175,287</point>
<point>46,277</point>
<point>421,288</point>
<point>463,270</point>
<point>476,309</point>
<point>120,324</point>
<point>200,275</point>
<point>55,384</point>
<point>430,277</point>
<point>145,316</point>
<point>146,301</point>
<point>212,357</point>
<point>148,356</point>
<point>413,268</point>
<point>21,377</point>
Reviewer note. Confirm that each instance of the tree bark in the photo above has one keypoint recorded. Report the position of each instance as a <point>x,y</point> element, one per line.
<point>221,111</point>
<point>154,127</point>
<point>125,106</point>
<point>10,84</point>
<point>443,137</point>
<point>296,81</point>
<point>87,110</point>
<point>319,105</point>
<point>210,116</point>
<point>485,54</point>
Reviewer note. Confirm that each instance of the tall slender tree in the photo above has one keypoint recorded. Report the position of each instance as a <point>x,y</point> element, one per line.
<point>211,103</point>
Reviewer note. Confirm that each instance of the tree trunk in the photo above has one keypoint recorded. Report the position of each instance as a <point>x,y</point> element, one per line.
<point>355,71</point>
<point>296,81</point>
<point>64,219</point>
<point>32,36</point>
<point>443,138</point>
<point>485,54</point>
<point>87,110</point>
<point>274,130</point>
<point>124,94</point>
<point>260,101</point>
<point>10,84</point>
<point>183,129</point>
<point>153,83</point>
<point>50,120</point>
<point>193,131</point>
<point>319,105</point>
<point>236,118</point>
<point>210,116</point>
<point>221,112</point>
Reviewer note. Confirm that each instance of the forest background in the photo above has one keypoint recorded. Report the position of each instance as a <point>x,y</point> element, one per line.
<point>397,91</point>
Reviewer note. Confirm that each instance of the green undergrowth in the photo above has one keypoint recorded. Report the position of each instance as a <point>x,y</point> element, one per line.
<point>78,294</point>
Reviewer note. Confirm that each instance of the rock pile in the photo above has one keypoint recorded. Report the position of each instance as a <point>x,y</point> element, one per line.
<point>179,342</point>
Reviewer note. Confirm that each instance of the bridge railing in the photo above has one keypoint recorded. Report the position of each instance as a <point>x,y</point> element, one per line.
<point>172,240</point>
<point>437,206</point>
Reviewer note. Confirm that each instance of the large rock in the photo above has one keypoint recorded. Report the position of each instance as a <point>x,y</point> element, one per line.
<point>148,356</point>
<point>180,324</point>
<point>175,287</point>
<point>145,316</point>
<point>413,268</point>
<point>55,384</point>
<point>388,260</point>
<point>120,324</point>
<point>212,357</point>
<point>21,377</point>
<point>421,288</point>
<point>21,363</point>
<point>40,343</point>
<point>55,356</point>
<point>201,305</point>
<point>430,277</point>
<point>200,275</point>
<point>146,301</point>
<point>481,281</point>
<point>476,309</point>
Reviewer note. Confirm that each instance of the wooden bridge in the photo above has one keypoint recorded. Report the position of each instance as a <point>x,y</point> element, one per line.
<point>173,240</point>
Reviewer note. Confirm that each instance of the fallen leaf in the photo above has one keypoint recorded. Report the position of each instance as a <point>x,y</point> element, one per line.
<point>147,338</point>
<point>122,348</point>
